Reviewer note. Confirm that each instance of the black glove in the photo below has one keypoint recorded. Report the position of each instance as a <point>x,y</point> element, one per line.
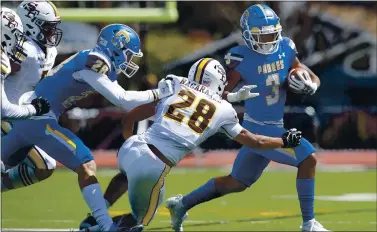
<point>291,138</point>
<point>41,105</point>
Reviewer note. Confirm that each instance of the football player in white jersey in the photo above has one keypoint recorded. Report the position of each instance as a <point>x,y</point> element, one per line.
<point>11,47</point>
<point>40,20</point>
<point>183,121</point>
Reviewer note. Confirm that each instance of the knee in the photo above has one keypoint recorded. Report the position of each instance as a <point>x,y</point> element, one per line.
<point>309,162</point>
<point>87,169</point>
<point>227,184</point>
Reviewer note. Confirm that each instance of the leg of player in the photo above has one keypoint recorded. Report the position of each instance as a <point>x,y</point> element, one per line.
<point>37,167</point>
<point>68,149</point>
<point>146,174</point>
<point>247,169</point>
<point>92,194</point>
<point>305,183</point>
<point>117,187</point>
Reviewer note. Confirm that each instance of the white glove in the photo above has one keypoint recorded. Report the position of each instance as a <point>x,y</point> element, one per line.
<point>242,94</point>
<point>304,85</point>
<point>166,87</point>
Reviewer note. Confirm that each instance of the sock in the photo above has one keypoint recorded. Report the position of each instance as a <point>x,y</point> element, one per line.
<point>202,194</point>
<point>94,198</point>
<point>21,176</point>
<point>305,190</point>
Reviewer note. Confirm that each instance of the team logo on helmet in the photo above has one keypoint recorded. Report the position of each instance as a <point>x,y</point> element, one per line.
<point>221,70</point>
<point>11,20</point>
<point>120,39</point>
<point>31,7</point>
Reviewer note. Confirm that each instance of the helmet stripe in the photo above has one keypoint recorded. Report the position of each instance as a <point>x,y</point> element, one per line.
<point>54,8</point>
<point>263,11</point>
<point>199,69</point>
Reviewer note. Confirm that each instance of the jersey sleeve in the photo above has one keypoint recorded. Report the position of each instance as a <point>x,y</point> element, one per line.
<point>113,92</point>
<point>98,63</point>
<point>233,59</point>
<point>5,65</point>
<point>12,111</point>
<point>230,125</point>
<point>290,48</point>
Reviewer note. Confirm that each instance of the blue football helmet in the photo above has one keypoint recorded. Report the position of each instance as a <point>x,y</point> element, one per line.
<point>261,29</point>
<point>121,43</point>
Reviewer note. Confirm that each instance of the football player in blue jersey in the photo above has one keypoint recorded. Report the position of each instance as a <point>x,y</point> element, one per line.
<point>265,61</point>
<point>74,79</point>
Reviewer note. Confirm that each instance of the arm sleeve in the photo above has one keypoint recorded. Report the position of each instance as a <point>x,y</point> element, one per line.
<point>231,126</point>
<point>12,111</point>
<point>113,91</point>
<point>232,129</point>
<point>291,50</point>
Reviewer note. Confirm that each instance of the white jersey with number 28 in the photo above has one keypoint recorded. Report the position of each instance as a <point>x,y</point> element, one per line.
<point>189,117</point>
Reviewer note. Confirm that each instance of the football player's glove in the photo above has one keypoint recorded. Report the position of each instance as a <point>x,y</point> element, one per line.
<point>304,84</point>
<point>242,94</point>
<point>166,87</point>
<point>41,105</point>
<point>291,138</point>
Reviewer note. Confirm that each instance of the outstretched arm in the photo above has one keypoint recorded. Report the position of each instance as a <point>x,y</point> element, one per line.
<point>12,111</point>
<point>114,92</point>
<point>291,138</point>
<point>258,141</point>
<point>138,114</point>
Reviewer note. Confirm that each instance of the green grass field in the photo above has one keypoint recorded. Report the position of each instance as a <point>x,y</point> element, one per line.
<point>269,205</point>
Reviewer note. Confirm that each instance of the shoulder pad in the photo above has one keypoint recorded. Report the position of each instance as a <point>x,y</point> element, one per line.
<point>289,43</point>
<point>5,65</point>
<point>98,63</point>
<point>233,57</point>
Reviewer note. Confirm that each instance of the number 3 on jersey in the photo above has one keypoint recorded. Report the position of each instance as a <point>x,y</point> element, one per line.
<point>199,119</point>
<point>274,81</point>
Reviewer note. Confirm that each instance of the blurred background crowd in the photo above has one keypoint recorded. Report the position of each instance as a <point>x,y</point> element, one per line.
<point>337,40</point>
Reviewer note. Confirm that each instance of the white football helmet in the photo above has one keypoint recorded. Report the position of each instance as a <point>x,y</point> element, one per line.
<point>12,33</point>
<point>40,19</point>
<point>210,73</point>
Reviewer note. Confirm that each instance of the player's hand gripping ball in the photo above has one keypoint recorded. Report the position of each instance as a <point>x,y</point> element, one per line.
<point>299,81</point>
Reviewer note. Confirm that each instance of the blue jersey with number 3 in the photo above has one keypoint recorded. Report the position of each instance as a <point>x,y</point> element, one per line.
<point>269,73</point>
<point>62,90</point>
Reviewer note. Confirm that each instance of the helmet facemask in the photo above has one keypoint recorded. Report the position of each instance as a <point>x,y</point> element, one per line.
<point>265,41</point>
<point>14,47</point>
<point>50,35</point>
<point>128,67</point>
<point>18,53</point>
